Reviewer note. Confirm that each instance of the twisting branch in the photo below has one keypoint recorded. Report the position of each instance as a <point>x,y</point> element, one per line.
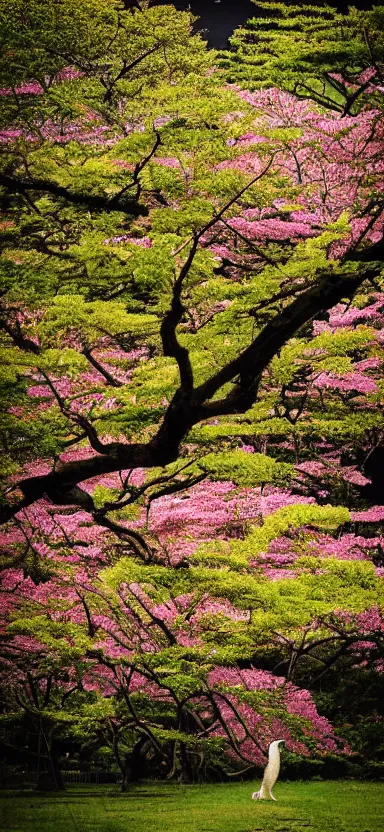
<point>171,345</point>
<point>188,409</point>
<point>249,365</point>
<point>135,493</point>
<point>171,638</point>
<point>176,487</point>
<point>78,419</point>
<point>257,249</point>
<point>15,332</point>
<point>218,216</point>
<point>126,68</point>
<point>135,540</point>
<point>238,716</point>
<point>225,726</point>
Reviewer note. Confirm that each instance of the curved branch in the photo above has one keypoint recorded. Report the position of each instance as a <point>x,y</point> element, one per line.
<point>136,174</point>
<point>136,540</point>
<point>127,68</point>
<point>188,408</point>
<point>249,365</point>
<point>171,345</point>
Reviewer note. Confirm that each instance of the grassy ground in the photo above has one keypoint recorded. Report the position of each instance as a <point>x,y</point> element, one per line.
<point>302,807</point>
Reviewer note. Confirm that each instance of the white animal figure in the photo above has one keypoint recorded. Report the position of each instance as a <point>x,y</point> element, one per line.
<point>271,773</point>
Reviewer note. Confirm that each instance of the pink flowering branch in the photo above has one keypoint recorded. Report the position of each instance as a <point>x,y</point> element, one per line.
<point>225,698</point>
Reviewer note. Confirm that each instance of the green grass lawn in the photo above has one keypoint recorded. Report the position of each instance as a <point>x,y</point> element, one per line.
<point>152,807</point>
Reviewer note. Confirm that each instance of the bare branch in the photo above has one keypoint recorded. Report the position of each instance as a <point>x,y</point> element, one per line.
<point>87,352</point>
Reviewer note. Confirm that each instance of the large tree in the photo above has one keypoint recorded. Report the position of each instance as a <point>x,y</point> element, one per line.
<point>191,319</point>
<point>119,203</point>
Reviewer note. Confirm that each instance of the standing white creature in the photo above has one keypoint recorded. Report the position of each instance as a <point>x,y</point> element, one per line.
<point>271,773</point>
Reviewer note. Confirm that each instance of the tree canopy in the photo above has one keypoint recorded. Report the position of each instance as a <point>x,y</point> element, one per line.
<point>313,50</point>
<point>191,320</point>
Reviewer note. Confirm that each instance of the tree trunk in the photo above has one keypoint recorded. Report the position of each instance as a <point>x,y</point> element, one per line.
<point>130,769</point>
<point>50,778</point>
<point>187,775</point>
<point>126,775</point>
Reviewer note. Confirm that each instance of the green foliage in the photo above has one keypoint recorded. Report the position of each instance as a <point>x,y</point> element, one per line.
<point>41,38</point>
<point>71,314</point>
<point>238,553</point>
<point>221,807</point>
<point>290,517</point>
<point>246,469</point>
<point>298,47</point>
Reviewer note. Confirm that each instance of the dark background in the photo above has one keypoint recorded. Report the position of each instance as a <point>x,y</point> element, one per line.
<point>219,19</point>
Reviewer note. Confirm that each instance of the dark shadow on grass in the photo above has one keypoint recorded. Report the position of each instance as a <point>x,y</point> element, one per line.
<point>71,796</point>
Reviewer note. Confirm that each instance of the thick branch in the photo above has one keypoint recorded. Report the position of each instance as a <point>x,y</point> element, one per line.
<point>171,345</point>
<point>169,338</point>
<point>14,331</point>
<point>187,410</point>
<point>97,203</point>
<point>134,539</point>
<point>249,365</point>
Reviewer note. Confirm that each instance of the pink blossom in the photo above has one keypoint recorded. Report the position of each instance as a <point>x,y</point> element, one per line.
<point>168,161</point>
<point>371,515</point>
<point>347,381</point>
<point>142,242</point>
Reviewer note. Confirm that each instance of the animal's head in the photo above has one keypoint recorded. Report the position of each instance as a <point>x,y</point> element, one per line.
<point>281,742</point>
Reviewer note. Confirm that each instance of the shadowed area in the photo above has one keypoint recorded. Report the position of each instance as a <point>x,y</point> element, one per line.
<point>218,17</point>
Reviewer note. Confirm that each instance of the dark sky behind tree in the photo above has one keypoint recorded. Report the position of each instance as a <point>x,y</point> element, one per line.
<point>218,18</point>
<point>221,17</point>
